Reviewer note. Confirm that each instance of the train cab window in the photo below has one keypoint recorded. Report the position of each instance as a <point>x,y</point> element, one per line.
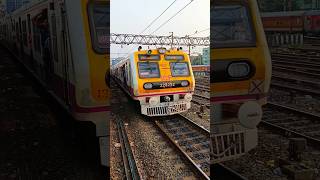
<point>231,26</point>
<point>179,69</point>
<point>99,26</point>
<point>148,70</point>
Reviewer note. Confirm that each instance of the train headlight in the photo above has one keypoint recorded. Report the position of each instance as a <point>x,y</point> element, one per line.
<point>239,70</point>
<point>162,50</point>
<point>188,97</point>
<point>185,83</point>
<point>153,101</point>
<point>147,86</point>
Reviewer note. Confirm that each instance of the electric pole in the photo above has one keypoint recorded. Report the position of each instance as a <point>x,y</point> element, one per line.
<point>171,40</point>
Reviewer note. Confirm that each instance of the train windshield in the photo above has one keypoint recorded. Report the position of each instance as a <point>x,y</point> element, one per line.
<point>148,70</point>
<point>99,13</point>
<point>231,27</point>
<point>179,69</point>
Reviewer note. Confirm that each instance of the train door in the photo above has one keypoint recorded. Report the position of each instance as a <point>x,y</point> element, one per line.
<point>65,54</point>
<point>53,40</point>
<point>25,36</point>
<point>31,61</point>
<point>20,38</point>
<point>16,44</point>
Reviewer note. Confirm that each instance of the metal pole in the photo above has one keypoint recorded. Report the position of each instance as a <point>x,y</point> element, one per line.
<point>171,40</point>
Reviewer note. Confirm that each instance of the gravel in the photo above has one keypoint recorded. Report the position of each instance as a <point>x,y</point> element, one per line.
<point>296,99</point>
<point>154,156</point>
<point>261,162</point>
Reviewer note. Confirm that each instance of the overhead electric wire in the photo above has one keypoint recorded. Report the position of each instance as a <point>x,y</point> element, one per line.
<point>198,32</point>
<point>171,17</point>
<point>167,20</point>
<point>158,17</point>
<point>153,23</point>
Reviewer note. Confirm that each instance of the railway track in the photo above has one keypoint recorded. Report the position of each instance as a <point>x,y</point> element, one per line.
<point>311,83</point>
<point>193,142</point>
<point>295,87</point>
<point>297,63</point>
<point>293,122</point>
<point>312,40</point>
<point>201,100</point>
<point>129,164</point>
<point>296,83</point>
<point>190,139</point>
<point>296,72</point>
<point>310,57</point>
<point>202,87</point>
<point>296,69</point>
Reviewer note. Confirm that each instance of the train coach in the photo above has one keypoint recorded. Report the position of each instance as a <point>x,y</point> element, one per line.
<point>65,46</point>
<point>307,22</point>
<point>161,80</point>
<point>240,77</point>
<point>201,70</point>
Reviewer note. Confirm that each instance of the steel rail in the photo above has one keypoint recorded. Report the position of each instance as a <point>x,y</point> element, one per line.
<point>129,163</point>
<point>311,140</point>
<point>195,166</point>
<point>296,88</point>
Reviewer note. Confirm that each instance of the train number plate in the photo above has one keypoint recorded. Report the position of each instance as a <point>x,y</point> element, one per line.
<point>167,84</point>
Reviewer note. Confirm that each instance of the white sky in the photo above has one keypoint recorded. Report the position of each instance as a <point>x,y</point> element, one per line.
<point>131,17</point>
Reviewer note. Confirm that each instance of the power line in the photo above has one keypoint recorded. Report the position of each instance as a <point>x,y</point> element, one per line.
<point>153,22</point>
<point>171,17</point>
<point>198,32</point>
<point>158,17</point>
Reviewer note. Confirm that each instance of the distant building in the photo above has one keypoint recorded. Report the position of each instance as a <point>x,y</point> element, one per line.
<point>11,5</point>
<point>115,61</point>
<point>206,56</point>
<point>196,59</point>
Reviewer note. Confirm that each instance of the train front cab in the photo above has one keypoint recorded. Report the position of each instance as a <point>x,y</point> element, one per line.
<point>163,82</point>
<point>240,77</point>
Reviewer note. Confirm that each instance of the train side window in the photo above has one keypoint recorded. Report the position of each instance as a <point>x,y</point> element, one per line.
<point>148,70</point>
<point>99,18</point>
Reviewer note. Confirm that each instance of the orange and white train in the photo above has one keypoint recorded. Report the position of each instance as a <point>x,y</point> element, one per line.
<point>240,77</point>
<point>160,79</point>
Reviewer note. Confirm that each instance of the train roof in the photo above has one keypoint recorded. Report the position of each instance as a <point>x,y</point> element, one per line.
<point>283,13</point>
